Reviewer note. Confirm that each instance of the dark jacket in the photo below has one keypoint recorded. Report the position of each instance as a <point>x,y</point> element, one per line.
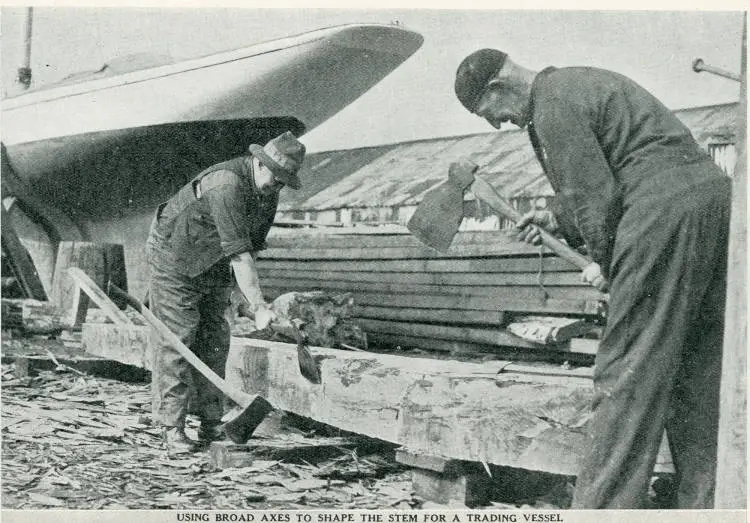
<point>605,144</point>
<point>228,218</point>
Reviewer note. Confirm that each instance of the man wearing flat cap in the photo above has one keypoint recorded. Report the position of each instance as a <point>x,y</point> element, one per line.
<point>653,210</point>
<point>201,242</point>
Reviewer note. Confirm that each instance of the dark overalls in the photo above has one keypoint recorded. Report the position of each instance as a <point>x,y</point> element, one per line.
<point>189,246</point>
<point>653,209</point>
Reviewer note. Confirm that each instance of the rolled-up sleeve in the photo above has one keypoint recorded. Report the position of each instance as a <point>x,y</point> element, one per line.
<point>228,199</point>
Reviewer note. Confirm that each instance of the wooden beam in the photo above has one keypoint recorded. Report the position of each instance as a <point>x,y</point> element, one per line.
<point>431,278</point>
<point>498,292</point>
<point>74,357</point>
<point>224,454</point>
<point>486,303</point>
<point>100,298</point>
<point>129,344</point>
<point>497,337</point>
<point>317,240</point>
<point>395,253</point>
<point>584,356</point>
<point>19,259</point>
<point>445,316</point>
<point>731,474</point>
<point>437,407</point>
<point>531,264</point>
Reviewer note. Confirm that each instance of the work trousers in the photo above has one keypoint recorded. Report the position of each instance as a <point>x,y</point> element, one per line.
<point>659,361</point>
<point>193,309</point>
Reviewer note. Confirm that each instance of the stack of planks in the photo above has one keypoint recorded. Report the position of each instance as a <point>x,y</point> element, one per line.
<point>410,295</point>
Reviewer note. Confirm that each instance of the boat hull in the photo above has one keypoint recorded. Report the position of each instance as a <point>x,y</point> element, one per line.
<point>61,141</point>
<point>91,160</point>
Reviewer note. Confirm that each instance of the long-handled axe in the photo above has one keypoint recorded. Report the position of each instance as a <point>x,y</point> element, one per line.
<point>437,218</point>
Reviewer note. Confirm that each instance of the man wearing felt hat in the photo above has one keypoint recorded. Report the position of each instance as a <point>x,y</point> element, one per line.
<point>653,211</point>
<point>201,242</point>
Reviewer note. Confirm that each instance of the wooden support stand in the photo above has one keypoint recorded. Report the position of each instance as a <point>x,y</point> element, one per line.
<point>31,316</point>
<point>127,344</point>
<point>102,262</point>
<point>447,481</point>
<point>17,258</point>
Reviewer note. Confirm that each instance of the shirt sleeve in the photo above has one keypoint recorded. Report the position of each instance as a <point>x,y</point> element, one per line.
<point>566,222</point>
<point>228,199</point>
<point>579,170</point>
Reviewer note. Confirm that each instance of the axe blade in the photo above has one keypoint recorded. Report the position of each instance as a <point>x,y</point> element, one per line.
<point>436,219</point>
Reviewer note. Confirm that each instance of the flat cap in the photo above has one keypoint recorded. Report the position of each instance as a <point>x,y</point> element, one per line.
<point>473,74</point>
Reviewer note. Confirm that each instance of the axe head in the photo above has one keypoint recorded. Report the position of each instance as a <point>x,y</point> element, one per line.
<point>436,220</point>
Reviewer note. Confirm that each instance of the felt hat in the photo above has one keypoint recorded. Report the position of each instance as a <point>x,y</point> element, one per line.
<point>283,155</point>
<point>474,73</point>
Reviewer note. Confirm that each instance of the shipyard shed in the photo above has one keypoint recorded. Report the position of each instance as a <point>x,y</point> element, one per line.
<point>384,184</point>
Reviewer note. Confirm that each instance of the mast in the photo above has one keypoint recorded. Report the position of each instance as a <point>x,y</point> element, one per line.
<point>24,72</point>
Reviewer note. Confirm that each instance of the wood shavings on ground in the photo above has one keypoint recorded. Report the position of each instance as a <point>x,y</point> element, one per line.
<point>81,442</point>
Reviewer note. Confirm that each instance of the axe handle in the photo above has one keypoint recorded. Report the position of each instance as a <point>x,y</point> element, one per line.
<point>484,191</point>
<point>236,395</point>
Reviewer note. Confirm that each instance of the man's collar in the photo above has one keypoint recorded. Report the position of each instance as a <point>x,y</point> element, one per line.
<point>248,173</point>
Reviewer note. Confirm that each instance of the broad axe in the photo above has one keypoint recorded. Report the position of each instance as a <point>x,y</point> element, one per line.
<point>437,218</point>
<point>239,423</point>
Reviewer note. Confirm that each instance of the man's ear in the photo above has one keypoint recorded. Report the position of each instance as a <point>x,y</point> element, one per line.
<point>495,82</point>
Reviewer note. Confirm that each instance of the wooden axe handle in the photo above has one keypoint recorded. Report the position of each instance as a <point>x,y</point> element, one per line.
<point>484,191</point>
<point>236,395</point>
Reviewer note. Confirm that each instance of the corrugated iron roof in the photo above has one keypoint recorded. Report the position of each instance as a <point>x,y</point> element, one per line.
<point>400,174</point>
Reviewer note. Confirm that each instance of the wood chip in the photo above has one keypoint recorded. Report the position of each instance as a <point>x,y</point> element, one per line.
<point>46,500</point>
<point>304,484</point>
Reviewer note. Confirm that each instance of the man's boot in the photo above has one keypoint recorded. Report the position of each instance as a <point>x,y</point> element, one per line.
<point>177,441</point>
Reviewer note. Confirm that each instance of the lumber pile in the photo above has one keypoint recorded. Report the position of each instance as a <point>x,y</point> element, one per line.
<point>408,294</point>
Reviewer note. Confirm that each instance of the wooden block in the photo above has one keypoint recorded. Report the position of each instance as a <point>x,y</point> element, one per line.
<point>428,462</point>
<point>471,490</point>
<point>548,329</point>
<point>225,454</point>
<point>31,316</point>
<point>129,344</point>
<point>22,368</point>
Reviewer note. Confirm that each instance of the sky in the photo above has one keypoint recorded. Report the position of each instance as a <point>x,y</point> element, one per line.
<point>416,101</point>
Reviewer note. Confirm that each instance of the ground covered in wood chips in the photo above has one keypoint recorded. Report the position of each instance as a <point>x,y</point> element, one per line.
<point>73,440</point>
